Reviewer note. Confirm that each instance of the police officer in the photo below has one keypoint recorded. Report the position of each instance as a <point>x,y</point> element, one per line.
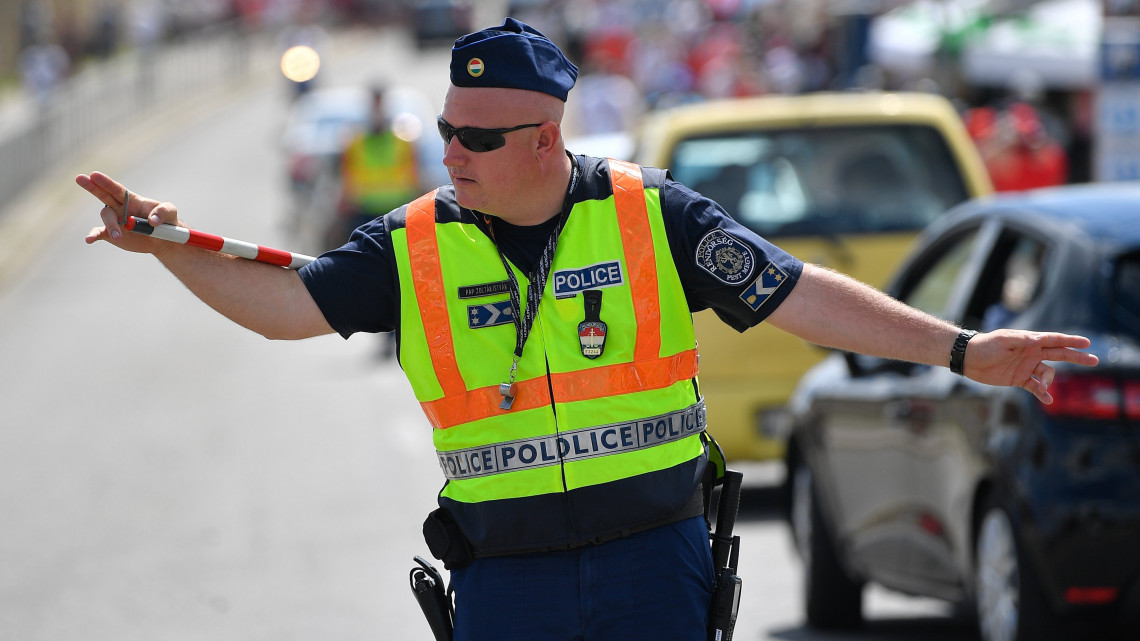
<point>543,302</point>
<point>378,171</point>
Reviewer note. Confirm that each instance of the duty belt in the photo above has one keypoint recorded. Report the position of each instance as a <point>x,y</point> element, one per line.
<point>511,456</point>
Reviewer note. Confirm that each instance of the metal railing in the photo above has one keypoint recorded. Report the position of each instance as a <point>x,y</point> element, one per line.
<point>105,97</point>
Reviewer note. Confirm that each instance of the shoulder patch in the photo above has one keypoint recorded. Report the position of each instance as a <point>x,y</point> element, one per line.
<point>766,284</point>
<point>725,257</point>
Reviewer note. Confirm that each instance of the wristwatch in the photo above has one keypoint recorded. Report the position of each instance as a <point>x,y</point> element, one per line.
<point>958,351</point>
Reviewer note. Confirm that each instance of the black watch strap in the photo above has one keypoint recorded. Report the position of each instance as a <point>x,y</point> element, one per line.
<point>958,352</point>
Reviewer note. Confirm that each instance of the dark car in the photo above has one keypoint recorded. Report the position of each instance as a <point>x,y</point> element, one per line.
<point>931,484</point>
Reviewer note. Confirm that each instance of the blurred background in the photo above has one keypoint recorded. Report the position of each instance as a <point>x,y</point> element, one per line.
<point>165,475</point>
<point>636,57</point>
<point>1021,72</point>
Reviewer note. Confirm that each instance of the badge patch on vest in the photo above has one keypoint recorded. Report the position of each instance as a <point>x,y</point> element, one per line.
<point>490,314</point>
<point>568,282</point>
<point>766,284</point>
<point>726,258</point>
<point>486,289</point>
<point>592,331</point>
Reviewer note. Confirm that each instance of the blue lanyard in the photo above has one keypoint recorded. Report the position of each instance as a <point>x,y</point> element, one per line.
<point>524,321</point>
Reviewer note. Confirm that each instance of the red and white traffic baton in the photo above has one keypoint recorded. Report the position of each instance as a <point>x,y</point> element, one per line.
<point>220,244</point>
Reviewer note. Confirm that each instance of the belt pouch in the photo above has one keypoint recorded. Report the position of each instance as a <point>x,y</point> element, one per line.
<point>446,541</point>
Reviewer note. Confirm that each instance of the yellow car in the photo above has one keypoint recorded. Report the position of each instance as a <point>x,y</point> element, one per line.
<point>845,180</point>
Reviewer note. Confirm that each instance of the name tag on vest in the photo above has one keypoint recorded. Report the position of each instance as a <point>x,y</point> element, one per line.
<point>486,289</point>
<point>569,282</point>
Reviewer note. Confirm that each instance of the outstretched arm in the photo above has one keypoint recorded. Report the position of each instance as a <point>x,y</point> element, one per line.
<point>269,300</point>
<point>833,310</point>
<point>1017,358</point>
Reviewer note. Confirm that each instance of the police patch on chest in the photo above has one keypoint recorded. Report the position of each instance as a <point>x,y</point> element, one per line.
<point>569,282</point>
<point>592,338</point>
<point>729,260</point>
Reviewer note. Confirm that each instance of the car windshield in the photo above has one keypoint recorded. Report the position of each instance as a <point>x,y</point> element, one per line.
<point>824,180</point>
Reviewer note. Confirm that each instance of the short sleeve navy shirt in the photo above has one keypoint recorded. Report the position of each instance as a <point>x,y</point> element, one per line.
<point>723,265</point>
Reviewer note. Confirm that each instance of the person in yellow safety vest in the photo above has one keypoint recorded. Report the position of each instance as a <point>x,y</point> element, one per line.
<point>543,303</point>
<point>379,172</point>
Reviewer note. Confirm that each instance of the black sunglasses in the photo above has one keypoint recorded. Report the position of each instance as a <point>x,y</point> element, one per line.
<point>474,138</point>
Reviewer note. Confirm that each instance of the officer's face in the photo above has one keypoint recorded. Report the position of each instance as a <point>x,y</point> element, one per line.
<point>496,181</point>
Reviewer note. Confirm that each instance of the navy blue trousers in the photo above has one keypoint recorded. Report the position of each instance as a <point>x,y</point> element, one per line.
<point>655,584</point>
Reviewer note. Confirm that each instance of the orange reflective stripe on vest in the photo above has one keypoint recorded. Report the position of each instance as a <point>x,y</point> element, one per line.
<point>629,197</point>
<point>456,409</point>
<point>428,280</point>
<point>584,385</point>
<point>648,371</point>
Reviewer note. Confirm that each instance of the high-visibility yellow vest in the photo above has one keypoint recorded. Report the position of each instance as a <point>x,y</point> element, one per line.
<point>379,172</point>
<point>592,448</point>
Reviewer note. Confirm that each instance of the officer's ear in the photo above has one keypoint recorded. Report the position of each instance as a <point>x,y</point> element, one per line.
<point>546,145</point>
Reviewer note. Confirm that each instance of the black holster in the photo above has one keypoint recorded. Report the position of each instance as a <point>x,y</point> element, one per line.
<point>427,586</point>
<point>446,541</point>
<point>726,554</point>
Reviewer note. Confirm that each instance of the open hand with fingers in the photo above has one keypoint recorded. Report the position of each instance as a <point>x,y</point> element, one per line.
<point>118,204</point>
<point>1019,358</point>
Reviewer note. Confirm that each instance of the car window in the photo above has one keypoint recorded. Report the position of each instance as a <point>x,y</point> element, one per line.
<point>930,285</point>
<point>1009,283</point>
<point>1128,294</point>
<point>826,180</point>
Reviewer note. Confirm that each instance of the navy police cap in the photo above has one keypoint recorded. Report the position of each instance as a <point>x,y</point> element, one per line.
<point>513,56</point>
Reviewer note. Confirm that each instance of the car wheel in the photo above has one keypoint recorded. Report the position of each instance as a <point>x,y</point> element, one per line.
<point>1008,599</point>
<point>831,599</point>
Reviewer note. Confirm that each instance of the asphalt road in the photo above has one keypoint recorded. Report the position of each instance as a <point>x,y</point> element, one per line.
<point>166,475</point>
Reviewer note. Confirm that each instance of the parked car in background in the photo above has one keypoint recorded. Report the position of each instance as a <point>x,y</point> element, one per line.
<point>928,483</point>
<point>846,180</point>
